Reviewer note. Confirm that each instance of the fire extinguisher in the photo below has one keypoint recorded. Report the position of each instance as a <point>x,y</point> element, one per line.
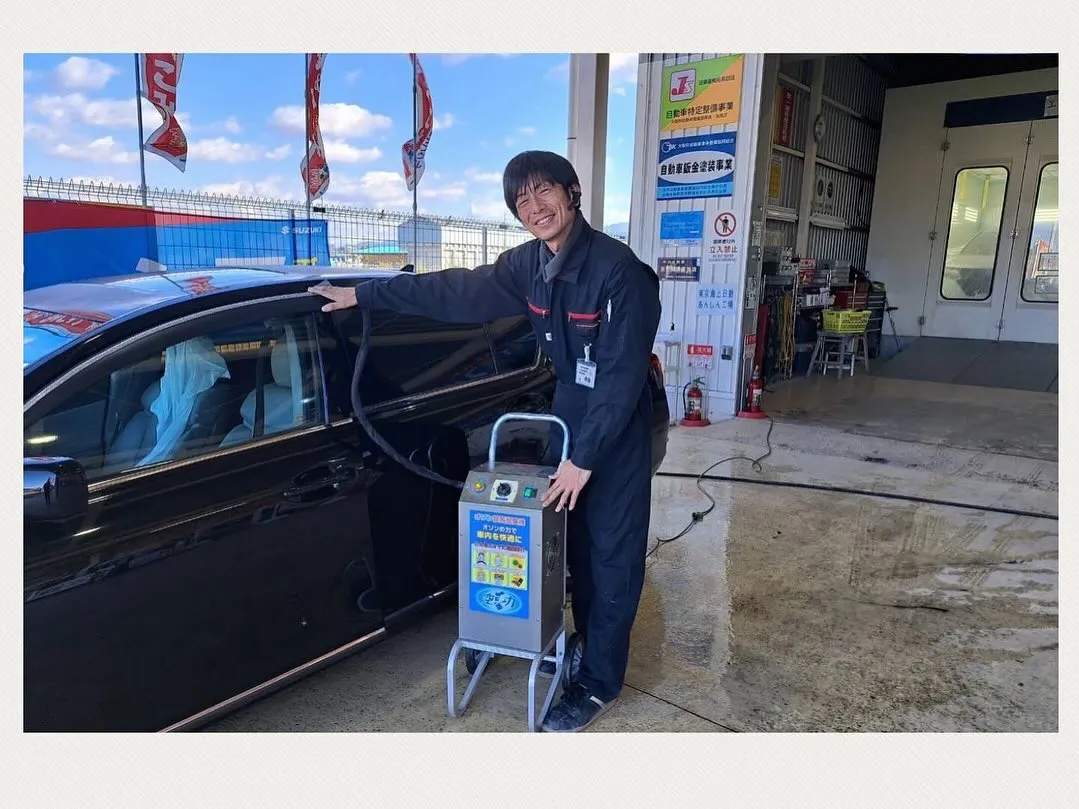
<point>693,400</point>
<point>753,397</point>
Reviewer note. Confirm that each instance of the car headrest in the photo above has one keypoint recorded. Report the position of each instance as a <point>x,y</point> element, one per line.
<point>149,396</point>
<point>280,366</point>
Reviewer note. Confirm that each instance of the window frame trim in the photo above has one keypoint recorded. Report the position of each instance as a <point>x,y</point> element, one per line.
<point>166,333</point>
<point>1000,234</point>
<point>1033,216</point>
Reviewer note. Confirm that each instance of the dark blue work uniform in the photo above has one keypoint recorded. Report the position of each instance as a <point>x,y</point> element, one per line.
<point>595,309</point>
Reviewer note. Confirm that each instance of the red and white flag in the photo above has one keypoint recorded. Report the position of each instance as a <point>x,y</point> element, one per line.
<point>160,78</point>
<point>414,149</point>
<point>314,170</point>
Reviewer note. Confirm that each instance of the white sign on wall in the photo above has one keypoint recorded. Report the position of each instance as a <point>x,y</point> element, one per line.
<point>723,246</point>
<point>823,195</point>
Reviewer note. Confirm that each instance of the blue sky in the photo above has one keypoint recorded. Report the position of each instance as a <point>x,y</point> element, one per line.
<point>243,116</point>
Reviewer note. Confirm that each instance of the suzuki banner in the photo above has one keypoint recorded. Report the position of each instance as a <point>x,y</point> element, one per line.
<point>160,78</point>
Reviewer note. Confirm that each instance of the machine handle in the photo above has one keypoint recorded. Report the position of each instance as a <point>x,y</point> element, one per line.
<point>527,417</point>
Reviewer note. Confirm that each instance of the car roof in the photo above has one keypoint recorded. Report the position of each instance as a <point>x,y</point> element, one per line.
<point>103,299</point>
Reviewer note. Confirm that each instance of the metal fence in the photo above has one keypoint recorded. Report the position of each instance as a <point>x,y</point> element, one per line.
<point>355,237</point>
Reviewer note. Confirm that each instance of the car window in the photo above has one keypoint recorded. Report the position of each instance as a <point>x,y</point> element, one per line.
<point>415,355</point>
<point>514,343</point>
<point>207,392</point>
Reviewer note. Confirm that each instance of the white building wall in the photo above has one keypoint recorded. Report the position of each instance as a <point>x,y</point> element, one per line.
<point>908,182</point>
<point>679,298</point>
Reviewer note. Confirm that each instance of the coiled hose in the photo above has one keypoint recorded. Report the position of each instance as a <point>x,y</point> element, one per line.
<point>365,423</point>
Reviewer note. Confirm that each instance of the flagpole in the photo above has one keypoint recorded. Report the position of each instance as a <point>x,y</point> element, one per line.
<point>307,148</point>
<point>138,110</point>
<point>415,166</point>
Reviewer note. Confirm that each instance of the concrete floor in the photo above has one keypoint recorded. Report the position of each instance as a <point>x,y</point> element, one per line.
<point>797,610</point>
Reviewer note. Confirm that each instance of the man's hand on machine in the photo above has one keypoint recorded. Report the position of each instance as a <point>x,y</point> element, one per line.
<point>340,297</point>
<point>567,484</point>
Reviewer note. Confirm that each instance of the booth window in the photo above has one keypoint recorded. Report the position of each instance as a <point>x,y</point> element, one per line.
<point>970,253</point>
<point>1040,281</point>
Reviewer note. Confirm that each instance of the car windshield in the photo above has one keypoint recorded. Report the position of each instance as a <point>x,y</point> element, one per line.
<point>45,332</point>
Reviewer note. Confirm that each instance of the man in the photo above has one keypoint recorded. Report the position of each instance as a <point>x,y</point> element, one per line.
<point>595,309</point>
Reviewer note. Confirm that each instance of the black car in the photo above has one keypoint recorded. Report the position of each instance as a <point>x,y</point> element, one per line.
<point>205,521</point>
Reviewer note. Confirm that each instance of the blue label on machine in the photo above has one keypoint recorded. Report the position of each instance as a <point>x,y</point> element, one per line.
<point>498,563</point>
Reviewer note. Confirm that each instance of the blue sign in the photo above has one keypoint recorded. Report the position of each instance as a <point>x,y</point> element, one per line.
<point>696,167</point>
<point>684,228</point>
<point>498,569</point>
<point>715,299</point>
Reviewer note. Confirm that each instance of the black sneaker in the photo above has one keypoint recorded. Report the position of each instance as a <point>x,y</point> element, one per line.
<point>577,710</point>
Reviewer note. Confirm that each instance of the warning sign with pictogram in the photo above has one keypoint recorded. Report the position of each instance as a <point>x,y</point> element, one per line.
<point>723,248</point>
<point>725,224</point>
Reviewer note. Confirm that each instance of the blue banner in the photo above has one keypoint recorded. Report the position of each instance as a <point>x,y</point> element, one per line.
<point>696,167</point>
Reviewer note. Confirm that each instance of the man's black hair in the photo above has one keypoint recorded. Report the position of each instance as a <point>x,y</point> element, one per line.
<point>529,169</point>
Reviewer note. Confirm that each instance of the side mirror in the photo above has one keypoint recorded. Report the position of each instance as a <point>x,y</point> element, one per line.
<point>54,490</point>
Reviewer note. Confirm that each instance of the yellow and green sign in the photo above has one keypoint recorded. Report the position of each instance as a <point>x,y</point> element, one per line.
<point>700,94</point>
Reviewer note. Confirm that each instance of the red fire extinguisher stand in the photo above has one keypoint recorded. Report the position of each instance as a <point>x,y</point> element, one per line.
<point>693,401</point>
<point>754,391</point>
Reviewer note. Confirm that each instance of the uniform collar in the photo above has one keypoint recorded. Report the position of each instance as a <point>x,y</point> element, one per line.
<point>565,265</point>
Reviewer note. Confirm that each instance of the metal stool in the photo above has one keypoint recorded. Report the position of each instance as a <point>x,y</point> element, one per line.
<point>832,350</point>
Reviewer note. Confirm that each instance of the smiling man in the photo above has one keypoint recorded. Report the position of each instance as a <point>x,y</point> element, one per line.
<point>595,309</point>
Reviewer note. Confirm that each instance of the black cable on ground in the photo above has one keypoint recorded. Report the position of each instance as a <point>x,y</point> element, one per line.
<point>698,516</point>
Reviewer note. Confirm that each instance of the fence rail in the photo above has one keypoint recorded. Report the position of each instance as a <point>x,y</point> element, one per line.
<point>354,237</point>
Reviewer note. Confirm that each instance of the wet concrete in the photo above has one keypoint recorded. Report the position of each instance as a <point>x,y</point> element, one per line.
<point>787,609</point>
<point>994,420</point>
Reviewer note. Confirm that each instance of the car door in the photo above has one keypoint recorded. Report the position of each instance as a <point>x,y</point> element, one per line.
<point>433,390</point>
<point>237,556</point>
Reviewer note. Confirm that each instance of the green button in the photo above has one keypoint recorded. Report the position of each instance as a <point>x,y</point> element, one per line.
<point>529,492</point>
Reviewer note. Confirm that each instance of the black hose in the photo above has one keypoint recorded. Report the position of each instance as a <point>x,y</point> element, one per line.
<point>361,415</point>
<point>819,487</point>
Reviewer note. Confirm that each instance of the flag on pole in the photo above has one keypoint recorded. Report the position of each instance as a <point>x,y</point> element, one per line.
<point>159,80</point>
<point>415,148</point>
<point>314,171</point>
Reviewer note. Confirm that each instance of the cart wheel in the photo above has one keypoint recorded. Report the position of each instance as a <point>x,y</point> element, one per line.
<point>472,660</point>
<point>572,663</point>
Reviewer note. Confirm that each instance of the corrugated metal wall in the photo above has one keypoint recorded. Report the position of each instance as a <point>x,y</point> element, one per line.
<point>852,108</point>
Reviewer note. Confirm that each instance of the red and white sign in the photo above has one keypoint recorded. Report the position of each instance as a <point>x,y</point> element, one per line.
<point>751,340</point>
<point>725,225</point>
<point>414,149</point>
<point>786,117</point>
<point>683,84</point>
<point>314,170</point>
<point>160,78</point>
<point>700,356</point>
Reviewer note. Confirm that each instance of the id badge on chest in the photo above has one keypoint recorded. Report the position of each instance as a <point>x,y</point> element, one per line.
<point>586,369</point>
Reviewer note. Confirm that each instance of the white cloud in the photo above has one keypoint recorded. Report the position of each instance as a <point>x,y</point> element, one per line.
<point>39,133</point>
<point>337,120</point>
<point>339,151</point>
<point>451,191</point>
<point>615,209</point>
<point>444,121</point>
<point>353,75</point>
<point>618,91</point>
<point>522,132</point>
<point>80,73</point>
<point>101,150</point>
<point>232,126</point>
<point>490,208</point>
<point>223,150</point>
<point>107,113</point>
<point>387,190</point>
<point>477,176</point>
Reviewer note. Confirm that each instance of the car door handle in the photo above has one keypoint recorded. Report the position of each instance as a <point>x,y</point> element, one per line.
<point>328,481</point>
